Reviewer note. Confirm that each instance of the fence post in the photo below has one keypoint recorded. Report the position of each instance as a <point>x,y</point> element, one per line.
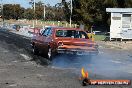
<point>36,21</point>
<point>58,23</point>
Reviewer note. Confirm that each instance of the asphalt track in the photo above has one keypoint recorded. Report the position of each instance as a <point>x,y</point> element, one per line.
<point>19,68</point>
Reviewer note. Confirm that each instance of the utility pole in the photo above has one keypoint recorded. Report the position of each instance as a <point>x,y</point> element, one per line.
<point>14,13</point>
<point>34,14</point>
<point>32,2</point>
<point>1,12</point>
<point>71,14</point>
<point>44,17</point>
<point>44,12</point>
<point>14,10</point>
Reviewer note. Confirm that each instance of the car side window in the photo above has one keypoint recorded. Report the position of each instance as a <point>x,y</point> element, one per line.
<point>50,31</point>
<point>45,33</point>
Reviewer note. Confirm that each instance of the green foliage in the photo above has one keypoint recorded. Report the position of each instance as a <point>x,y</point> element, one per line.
<point>15,11</point>
<point>12,11</point>
<point>86,12</point>
<point>128,3</point>
<point>99,37</point>
<point>91,12</point>
<point>28,14</point>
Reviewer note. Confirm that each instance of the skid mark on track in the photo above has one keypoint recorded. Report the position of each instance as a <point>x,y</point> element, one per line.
<point>25,57</point>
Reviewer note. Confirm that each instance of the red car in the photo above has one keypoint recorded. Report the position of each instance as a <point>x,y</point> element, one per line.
<point>55,40</point>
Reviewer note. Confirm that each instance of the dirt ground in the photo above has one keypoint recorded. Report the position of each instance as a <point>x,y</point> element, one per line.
<point>19,68</point>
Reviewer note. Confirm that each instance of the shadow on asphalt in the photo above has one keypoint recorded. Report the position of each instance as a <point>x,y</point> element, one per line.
<point>40,60</point>
<point>19,43</point>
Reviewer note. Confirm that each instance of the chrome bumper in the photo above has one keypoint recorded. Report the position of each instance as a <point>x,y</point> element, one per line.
<point>77,52</point>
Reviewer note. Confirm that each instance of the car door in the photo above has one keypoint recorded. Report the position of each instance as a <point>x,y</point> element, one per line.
<point>41,40</point>
<point>44,40</point>
<point>36,39</point>
<point>49,39</point>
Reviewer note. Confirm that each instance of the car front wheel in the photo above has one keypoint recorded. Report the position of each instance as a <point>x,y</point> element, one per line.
<point>35,50</point>
<point>49,54</point>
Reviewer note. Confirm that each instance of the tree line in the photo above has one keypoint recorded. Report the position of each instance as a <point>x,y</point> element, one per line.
<point>15,11</point>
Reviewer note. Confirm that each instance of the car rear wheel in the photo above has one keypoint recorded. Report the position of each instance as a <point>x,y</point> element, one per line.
<point>35,50</point>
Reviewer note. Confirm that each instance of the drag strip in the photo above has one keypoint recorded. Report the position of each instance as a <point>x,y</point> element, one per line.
<point>19,68</point>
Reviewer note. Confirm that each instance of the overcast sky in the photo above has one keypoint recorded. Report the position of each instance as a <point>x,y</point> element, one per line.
<point>24,3</point>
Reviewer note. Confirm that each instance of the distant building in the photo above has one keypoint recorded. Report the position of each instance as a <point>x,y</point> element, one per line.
<point>121,23</point>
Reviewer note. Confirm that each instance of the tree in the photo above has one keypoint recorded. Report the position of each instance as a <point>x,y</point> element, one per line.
<point>28,14</point>
<point>13,11</point>
<point>110,3</point>
<point>55,13</point>
<point>59,13</point>
<point>66,9</point>
<point>39,10</point>
<point>121,3</point>
<point>52,12</point>
<point>128,3</point>
<point>87,12</point>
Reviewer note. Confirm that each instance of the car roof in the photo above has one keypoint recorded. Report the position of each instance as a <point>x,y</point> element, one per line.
<point>65,28</point>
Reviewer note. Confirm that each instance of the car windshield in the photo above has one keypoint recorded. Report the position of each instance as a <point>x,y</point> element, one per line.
<point>71,33</point>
